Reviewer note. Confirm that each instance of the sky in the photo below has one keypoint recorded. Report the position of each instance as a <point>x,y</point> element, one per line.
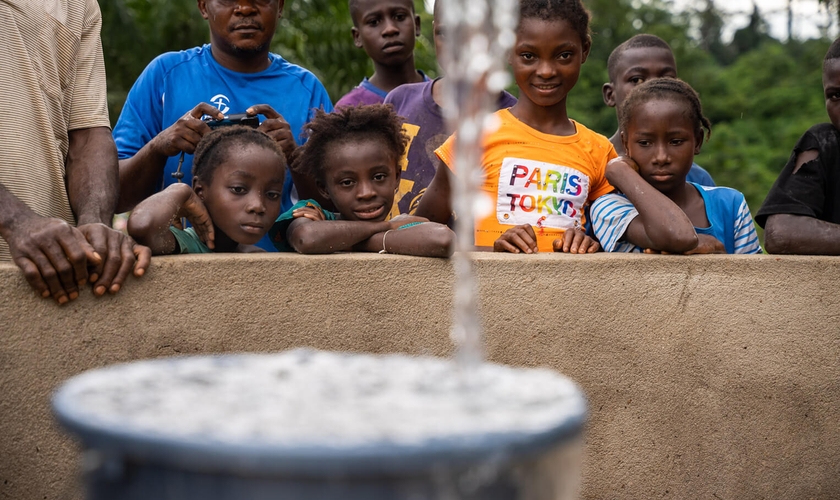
<point>807,15</point>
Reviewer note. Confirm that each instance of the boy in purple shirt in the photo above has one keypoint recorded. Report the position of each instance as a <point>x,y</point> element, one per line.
<point>420,106</point>
<point>386,30</point>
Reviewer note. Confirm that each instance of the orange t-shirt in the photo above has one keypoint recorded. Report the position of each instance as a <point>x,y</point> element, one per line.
<point>539,179</point>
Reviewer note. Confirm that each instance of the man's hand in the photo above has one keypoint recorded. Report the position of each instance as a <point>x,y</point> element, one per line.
<point>186,132</point>
<point>276,127</point>
<point>517,239</point>
<point>53,255</point>
<point>575,241</point>
<point>119,255</point>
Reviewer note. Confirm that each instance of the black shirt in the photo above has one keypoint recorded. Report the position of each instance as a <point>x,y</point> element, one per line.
<point>814,190</point>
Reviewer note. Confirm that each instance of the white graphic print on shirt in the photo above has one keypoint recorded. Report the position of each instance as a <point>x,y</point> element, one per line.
<point>541,194</point>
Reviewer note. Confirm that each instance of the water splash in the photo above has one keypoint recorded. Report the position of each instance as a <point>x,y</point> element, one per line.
<point>478,35</point>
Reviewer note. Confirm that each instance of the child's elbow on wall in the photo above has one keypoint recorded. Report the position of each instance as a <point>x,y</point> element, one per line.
<point>442,240</point>
<point>139,228</point>
<point>305,240</point>
<point>777,237</point>
<point>677,242</point>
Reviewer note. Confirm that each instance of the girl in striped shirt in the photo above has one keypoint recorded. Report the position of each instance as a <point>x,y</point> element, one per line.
<point>656,211</point>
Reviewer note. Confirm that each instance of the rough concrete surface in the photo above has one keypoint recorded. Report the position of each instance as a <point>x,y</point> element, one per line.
<point>707,377</point>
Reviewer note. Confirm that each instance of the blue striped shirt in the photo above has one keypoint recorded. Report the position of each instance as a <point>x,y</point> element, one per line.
<point>726,209</point>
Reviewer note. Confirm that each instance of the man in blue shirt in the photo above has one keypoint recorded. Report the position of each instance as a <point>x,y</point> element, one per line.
<point>235,73</point>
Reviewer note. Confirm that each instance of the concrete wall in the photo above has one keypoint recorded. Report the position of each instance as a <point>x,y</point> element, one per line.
<point>708,377</point>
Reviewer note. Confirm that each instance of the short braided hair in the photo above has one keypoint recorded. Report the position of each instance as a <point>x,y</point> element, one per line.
<point>214,148</point>
<point>641,41</point>
<point>667,88</point>
<point>571,11</point>
<point>349,124</point>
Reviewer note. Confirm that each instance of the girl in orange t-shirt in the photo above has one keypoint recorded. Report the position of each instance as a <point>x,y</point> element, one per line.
<point>540,167</point>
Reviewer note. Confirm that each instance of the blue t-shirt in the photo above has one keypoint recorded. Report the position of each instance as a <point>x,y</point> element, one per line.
<point>175,82</point>
<point>699,175</point>
<point>726,209</point>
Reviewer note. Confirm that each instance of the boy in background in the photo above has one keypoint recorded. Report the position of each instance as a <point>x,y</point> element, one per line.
<point>420,106</point>
<point>637,60</point>
<point>386,30</point>
<point>801,214</point>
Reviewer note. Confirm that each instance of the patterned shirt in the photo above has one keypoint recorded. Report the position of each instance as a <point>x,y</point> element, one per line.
<point>53,81</point>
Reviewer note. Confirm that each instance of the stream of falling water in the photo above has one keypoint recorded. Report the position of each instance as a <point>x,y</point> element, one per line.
<point>478,35</point>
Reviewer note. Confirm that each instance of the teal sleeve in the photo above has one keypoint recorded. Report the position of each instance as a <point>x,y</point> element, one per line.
<point>277,233</point>
<point>188,241</point>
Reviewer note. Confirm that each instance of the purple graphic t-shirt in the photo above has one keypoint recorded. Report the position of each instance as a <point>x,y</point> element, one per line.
<point>424,125</point>
<point>365,93</point>
<point>368,93</point>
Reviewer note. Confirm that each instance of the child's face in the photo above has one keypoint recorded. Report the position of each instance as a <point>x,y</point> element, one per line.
<point>360,178</point>
<point>662,139</point>
<point>546,60</point>
<point>243,198</point>
<point>386,29</point>
<point>831,86</point>
<point>635,67</point>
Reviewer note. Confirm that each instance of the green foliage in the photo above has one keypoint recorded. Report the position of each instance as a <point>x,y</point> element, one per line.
<point>759,107</point>
<point>316,35</point>
<point>613,23</point>
<point>136,31</point>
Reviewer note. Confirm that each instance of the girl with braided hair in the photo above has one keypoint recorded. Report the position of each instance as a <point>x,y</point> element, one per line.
<point>234,199</point>
<point>662,127</point>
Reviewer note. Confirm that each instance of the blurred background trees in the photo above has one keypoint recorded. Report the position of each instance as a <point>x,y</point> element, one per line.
<point>760,93</point>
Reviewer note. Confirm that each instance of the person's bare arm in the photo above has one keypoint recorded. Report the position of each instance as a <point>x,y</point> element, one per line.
<point>801,234</point>
<point>428,239</point>
<point>706,243</point>
<point>150,220</point>
<point>436,203</point>
<point>330,236</point>
<point>139,175</point>
<point>92,175</point>
<point>320,237</point>
<point>92,188</point>
<point>661,224</point>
